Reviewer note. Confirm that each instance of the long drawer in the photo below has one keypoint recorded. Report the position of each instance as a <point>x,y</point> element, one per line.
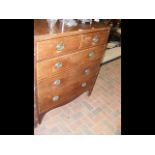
<point>65,80</point>
<point>55,66</point>
<point>49,99</point>
<point>79,71</point>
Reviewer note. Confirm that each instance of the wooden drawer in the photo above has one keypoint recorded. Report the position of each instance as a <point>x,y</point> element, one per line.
<point>49,99</point>
<point>93,39</point>
<point>59,46</point>
<point>68,78</point>
<point>55,66</point>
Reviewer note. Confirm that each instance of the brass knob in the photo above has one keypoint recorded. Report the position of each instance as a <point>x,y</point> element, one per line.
<point>83,84</point>
<point>95,39</point>
<point>60,46</point>
<point>57,82</point>
<point>91,54</point>
<point>87,71</point>
<point>58,65</point>
<point>55,98</point>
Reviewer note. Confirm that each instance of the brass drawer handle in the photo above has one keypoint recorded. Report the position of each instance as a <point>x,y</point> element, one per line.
<point>60,46</point>
<point>83,84</point>
<point>95,39</point>
<point>55,98</point>
<point>57,82</point>
<point>87,71</point>
<point>91,54</point>
<point>58,65</point>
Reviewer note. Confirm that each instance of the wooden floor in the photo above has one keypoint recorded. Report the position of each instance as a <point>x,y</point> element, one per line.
<point>98,114</point>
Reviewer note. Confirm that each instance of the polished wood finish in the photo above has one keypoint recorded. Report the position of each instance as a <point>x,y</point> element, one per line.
<point>69,62</point>
<point>45,95</point>
<point>42,32</point>
<point>47,49</point>
<point>66,77</point>
<point>66,64</point>
<point>87,39</point>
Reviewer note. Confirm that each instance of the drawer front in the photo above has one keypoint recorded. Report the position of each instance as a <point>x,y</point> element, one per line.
<point>55,66</point>
<point>59,46</point>
<point>93,39</point>
<point>61,81</point>
<point>49,99</point>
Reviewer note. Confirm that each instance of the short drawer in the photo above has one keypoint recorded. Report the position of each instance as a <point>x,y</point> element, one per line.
<point>48,99</point>
<point>59,46</point>
<point>93,39</point>
<point>55,66</point>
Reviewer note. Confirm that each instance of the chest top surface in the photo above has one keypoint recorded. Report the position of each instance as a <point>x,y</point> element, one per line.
<point>42,31</point>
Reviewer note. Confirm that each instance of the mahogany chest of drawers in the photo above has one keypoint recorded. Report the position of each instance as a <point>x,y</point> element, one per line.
<point>65,64</point>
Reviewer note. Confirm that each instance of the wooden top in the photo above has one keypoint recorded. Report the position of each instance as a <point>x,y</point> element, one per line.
<point>42,31</point>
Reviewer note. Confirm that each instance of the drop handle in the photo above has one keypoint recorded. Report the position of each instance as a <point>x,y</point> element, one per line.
<point>57,82</point>
<point>58,65</point>
<point>95,39</point>
<point>60,46</point>
<point>84,84</point>
<point>87,71</point>
<point>91,54</point>
<point>55,98</point>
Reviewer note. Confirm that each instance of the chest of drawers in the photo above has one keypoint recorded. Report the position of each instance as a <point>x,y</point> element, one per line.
<point>65,64</point>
